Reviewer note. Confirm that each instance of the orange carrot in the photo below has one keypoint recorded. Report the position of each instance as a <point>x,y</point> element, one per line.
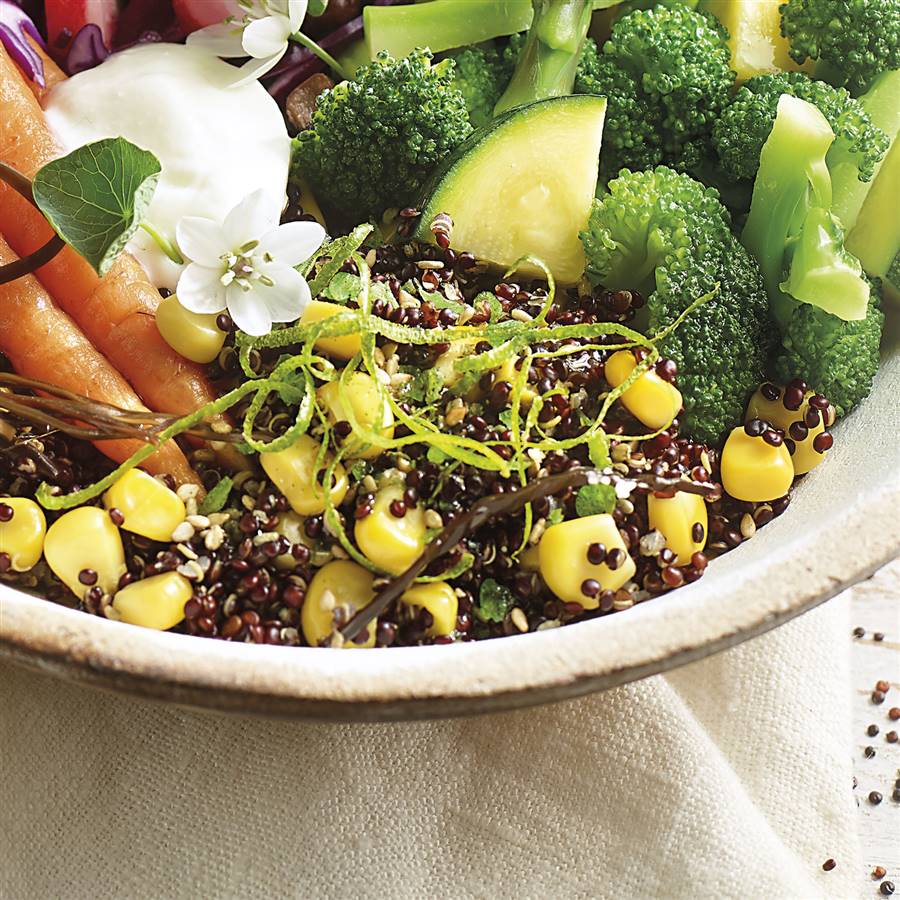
<point>53,74</point>
<point>43,343</point>
<point>117,313</point>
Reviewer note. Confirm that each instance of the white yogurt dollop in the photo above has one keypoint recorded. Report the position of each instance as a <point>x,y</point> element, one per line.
<point>216,143</point>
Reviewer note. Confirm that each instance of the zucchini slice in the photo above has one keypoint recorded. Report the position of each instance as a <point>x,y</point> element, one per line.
<point>523,185</point>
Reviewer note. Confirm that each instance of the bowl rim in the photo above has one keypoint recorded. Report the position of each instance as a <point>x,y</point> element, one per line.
<point>438,681</point>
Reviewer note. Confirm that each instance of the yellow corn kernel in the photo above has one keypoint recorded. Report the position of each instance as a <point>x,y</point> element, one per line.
<point>392,542</point>
<point>344,347</point>
<point>155,602</point>
<point>564,562</point>
<point>445,364</point>
<point>795,425</point>
<point>651,400</point>
<point>530,559</point>
<point>293,472</point>
<point>307,201</point>
<point>22,537</point>
<point>438,598</point>
<point>85,538</point>
<point>508,372</point>
<point>369,405</point>
<point>339,583</point>
<point>291,526</point>
<point>194,335</point>
<point>677,519</point>
<point>753,470</point>
<point>150,508</point>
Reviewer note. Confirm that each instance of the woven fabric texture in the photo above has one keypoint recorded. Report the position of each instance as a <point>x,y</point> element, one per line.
<point>728,778</point>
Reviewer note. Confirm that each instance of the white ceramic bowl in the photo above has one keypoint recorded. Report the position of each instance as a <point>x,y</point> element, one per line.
<point>840,527</point>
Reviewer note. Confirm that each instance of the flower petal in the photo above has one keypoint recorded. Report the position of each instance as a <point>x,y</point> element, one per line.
<point>266,37</point>
<point>256,68</point>
<point>248,310</point>
<point>253,217</point>
<point>287,299</point>
<point>201,240</point>
<point>296,13</point>
<point>291,244</point>
<point>220,40</point>
<point>200,289</point>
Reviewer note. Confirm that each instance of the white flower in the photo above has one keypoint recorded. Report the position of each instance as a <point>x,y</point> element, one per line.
<point>263,34</point>
<point>246,265</point>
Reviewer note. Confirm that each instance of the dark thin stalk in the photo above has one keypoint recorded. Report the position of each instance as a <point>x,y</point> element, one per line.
<point>95,421</point>
<point>502,505</point>
<point>27,264</point>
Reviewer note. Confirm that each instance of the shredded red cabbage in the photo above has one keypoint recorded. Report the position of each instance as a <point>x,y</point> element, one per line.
<point>15,29</point>
<point>86,50</point>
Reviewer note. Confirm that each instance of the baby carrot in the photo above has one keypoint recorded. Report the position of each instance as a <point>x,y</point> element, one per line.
<point>53,74</point>
<point>43,343</point>
<point>117,313</point>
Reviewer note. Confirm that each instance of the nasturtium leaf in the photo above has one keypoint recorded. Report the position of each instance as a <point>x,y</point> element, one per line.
<point>96,197</point>
<point>317,7</point>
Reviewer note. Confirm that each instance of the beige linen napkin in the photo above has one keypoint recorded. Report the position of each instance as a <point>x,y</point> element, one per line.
<point>728,778</point>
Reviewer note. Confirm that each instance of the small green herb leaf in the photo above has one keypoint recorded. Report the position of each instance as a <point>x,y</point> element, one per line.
<point>556,516</point>
<point>436,455</point>
<point>97,195</point>
<point>217,497</point>
<point>317,7</point>
<point>359,469</point>
<point>595,499</point>
<point>343,287</point>
<point>426,386</point>
<point>598,450</point>
<point>494,601</point>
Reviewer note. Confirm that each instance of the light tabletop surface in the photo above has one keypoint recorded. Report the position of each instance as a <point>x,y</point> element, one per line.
<point>877,611</point>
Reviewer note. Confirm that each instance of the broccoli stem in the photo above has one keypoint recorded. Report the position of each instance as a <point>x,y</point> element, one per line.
<point>442,24</point>
<point>790,228</point>
<point>548,61</point>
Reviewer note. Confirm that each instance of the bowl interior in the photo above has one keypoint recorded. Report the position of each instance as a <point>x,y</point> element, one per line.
<point>839,528</point>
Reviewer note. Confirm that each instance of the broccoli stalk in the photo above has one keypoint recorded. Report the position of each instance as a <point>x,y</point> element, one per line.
<point>790,229</point>
<point>547,63</point>
<point>442,24</point>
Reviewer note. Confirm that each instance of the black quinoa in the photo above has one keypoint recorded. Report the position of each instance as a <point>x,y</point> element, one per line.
<point>250,586</point>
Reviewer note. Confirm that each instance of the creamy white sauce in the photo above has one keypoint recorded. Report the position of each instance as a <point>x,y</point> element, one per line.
<point>216,143</point>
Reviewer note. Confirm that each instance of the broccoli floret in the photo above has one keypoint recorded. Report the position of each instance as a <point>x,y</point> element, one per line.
<point>481,74</point>
<point>852,41</point>
<point>837,358</point>
<point>667,235</point>
<point>667,75</point>
<point>745,124</point>
<point>374,140</point>
<point>791,230</point>
<point>545,66</point>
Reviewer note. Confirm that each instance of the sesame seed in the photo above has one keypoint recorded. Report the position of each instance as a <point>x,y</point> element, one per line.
<point>519,619</point>
<point>183,532</point>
